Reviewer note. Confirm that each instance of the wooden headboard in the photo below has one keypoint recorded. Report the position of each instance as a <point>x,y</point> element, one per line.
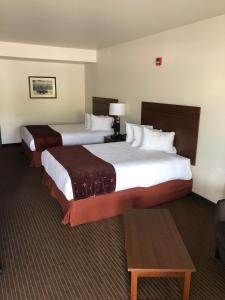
<point>183,120</point>
<point>101,105</point>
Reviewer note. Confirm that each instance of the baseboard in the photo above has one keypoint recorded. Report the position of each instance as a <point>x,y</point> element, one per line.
<point>11,145</point>
<point>203,199</point>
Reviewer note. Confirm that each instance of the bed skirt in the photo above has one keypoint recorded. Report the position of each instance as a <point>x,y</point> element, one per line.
<point>95,208</point>
<point>33,156</point>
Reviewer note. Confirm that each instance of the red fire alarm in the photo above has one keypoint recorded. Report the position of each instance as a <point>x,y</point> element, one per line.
<point>158,61</point>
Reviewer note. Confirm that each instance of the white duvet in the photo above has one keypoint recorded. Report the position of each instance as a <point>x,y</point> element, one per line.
<point>134,167</point>
<point>72,134</point>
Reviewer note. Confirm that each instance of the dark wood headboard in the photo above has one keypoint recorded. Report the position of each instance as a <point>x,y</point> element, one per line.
<point>183,120</point>
<point>101,105</point>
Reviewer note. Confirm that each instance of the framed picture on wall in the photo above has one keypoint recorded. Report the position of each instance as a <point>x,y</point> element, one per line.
<point>42,87</point>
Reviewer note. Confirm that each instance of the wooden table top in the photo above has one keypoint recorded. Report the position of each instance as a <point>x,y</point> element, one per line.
<point>153,242</point>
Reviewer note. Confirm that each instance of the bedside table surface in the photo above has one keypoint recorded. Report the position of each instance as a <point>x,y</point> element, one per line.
<point>110,139</point>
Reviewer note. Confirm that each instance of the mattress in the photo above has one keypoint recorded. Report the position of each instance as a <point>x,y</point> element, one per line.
<point>72,134</point>
<point>134,167</point>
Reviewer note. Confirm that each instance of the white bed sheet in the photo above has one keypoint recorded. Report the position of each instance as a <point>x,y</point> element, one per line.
<point>134,167</point>
<point>72,134</point>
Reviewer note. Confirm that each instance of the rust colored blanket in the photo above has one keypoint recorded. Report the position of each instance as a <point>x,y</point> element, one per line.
<point>44,136</point>
<point>89,174</point>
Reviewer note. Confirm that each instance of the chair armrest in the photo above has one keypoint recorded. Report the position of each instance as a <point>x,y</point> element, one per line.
<point>220,211</point>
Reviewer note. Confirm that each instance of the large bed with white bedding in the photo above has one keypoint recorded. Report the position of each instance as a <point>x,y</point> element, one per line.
<point>36,138</point>
<point>72,134</point>
<point>134,167</point>
<point>143,178</point>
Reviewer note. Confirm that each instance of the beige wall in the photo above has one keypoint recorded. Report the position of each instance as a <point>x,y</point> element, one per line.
<point>193,73</point>
<point>17,109</point>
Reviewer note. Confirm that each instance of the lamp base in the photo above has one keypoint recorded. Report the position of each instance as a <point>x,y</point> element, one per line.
<point>116,135</point>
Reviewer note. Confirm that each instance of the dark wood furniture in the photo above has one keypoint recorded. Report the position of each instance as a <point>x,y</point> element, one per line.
<point>155,248</point>
<point>0,147</point>
<point>220,230</point>
<point>100,106</point>
<point>183,120</point>
<point>111,139</point>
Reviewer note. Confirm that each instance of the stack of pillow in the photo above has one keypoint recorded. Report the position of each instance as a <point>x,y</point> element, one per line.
<point>93,122</point>
<point>147,138</point>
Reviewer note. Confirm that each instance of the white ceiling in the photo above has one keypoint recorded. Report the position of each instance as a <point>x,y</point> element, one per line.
<point>94,24</point>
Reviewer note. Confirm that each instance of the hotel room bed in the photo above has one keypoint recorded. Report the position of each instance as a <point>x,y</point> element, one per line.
<point>71,134</point>
<point>139,178</point>
<point>134,172</point>
<point>36,138</point>
<point>133,167</point>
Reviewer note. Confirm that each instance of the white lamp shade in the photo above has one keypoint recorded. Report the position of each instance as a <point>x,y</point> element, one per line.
<point>117,109</point>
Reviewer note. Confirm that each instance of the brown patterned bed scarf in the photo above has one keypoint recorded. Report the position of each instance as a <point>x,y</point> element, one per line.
<point>89,174</point>
<point>44,136</point>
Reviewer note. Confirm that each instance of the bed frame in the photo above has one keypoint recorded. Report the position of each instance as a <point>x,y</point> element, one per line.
<point>100,107</point>
<point>184,121</point>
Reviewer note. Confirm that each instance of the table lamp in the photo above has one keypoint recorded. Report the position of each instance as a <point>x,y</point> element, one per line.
<point>117,110</point>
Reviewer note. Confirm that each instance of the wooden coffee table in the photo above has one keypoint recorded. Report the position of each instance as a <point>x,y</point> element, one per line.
<point>155,248</point>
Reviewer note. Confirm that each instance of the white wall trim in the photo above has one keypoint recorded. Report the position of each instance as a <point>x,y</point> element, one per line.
<point>49,53</point>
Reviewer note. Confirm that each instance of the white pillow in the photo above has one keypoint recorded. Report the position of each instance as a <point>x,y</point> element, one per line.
<point>158,140</point>
<point>129,132</point>
<point>149,127</point>
<point>138,135</point>
<point>101,122</point>
<point>138,131</point>
<point>87,121</point>
<point>146,141</point>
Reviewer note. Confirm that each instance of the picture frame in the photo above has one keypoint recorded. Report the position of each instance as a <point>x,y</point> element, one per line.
<point>41,87</point>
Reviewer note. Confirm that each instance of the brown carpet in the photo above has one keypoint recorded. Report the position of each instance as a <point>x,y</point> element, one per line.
<point>43,259</point>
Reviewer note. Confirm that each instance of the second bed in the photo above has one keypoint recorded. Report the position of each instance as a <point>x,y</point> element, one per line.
<point>37,138</point>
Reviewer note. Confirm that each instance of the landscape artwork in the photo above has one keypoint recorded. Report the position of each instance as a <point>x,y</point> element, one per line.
<point>42,87</point>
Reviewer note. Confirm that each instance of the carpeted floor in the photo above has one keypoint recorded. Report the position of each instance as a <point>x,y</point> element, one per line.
<point>43,259</point>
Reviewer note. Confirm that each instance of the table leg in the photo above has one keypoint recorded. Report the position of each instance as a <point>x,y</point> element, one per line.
<point>187,282</point>
<point>134,282</point>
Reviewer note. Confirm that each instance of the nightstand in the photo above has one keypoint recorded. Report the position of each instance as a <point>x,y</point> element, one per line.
<point>110,139</point>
